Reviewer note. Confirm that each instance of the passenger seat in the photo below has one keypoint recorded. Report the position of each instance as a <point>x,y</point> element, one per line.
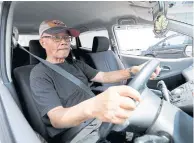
<point>102,59</point>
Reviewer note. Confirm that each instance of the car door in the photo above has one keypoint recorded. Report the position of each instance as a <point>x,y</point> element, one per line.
<point>142,38</point>
<point>13,124</point>
<point>14,128</point>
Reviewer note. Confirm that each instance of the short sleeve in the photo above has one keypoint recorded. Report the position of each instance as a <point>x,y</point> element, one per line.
<point>44,93</point>
<point>87,70</point>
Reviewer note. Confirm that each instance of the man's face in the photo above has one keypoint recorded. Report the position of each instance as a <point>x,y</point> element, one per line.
<point>56,46</point>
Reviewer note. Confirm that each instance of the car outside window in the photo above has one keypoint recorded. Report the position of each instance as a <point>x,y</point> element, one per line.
<point>86,38</point>
<point>139,40</point>
<point>25,39</point>
<point>176,40</point>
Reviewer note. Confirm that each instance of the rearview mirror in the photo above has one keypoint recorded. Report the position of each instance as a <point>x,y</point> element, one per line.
<point>160,26</point>
<point>160,20</point>
<point>189,51</point>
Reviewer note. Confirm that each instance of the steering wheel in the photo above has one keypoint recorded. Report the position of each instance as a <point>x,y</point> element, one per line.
<point>137,119</point>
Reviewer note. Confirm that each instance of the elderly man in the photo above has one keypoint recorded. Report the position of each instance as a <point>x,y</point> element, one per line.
<point>64,105</point>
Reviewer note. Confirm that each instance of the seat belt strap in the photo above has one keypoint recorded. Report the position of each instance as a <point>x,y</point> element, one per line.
<point>62,72</point>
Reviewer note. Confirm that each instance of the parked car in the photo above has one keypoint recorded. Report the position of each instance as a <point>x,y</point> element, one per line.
<point>172,47</point>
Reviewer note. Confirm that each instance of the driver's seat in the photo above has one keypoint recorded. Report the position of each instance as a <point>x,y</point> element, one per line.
<point>22,84</point>
<point>22,76</point>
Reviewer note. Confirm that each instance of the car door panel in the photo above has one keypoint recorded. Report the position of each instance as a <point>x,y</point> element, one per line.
<point>171,73</point>
<point>170,54</point>
<point>15,121</point>
<point>171,51</point>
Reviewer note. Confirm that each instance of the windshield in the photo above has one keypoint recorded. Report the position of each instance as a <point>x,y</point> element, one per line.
<point>181,11</point>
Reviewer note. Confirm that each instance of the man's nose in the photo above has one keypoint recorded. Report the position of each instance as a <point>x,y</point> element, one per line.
<point>63,41</point>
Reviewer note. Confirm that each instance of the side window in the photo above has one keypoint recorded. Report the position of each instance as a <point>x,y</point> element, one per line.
<point>25,39</point>
<point>139,40</point>
<point>172,40</point>
<point>177,40</point>
<point>73,43</point>
<point>86,38</point>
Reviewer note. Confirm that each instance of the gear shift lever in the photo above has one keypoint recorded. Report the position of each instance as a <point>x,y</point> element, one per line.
<point>162,87</point>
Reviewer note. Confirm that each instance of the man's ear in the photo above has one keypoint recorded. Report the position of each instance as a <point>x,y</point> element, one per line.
<point>42,43</point>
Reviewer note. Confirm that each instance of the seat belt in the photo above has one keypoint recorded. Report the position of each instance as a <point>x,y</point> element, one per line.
<point>62,72</point>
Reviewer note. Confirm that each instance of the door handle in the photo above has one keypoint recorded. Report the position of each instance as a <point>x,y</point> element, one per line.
<point>165,68</point>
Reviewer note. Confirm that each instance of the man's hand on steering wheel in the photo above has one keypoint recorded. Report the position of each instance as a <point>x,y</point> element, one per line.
<point>138,84</point>
<point>114,105</point>
<point>137,69</point>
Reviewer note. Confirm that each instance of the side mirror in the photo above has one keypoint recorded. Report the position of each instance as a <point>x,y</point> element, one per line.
<point>188,51</point>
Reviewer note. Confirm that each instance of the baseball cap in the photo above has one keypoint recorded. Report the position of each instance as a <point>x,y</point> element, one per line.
<point>56,26</point>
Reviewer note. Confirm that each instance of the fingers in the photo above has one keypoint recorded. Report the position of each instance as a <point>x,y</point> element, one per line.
<point>127,103</point>
<point>158,69</point>
<point>120,104</point>
<point>128,92</point>
<point>116,120</point>
<point>153,76</point>
<point>123,113</point>
<point>156,73</point>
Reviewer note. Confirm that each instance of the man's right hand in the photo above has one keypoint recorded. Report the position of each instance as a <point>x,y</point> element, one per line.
<point>114,105</point>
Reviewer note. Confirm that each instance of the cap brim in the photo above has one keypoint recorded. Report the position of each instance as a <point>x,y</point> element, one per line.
<point>71,31</point>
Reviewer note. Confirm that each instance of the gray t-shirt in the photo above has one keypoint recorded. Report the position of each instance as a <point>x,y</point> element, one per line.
<point>51,89</point>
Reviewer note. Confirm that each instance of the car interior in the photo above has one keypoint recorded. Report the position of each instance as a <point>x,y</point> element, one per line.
<point>25,17</point>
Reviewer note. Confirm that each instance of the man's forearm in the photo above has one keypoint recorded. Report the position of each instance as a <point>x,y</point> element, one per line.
<point>72,116</point>
<point>117,76</point>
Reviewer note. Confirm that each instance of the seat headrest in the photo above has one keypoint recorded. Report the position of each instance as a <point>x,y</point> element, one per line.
<point>36,49</point>
<point>100,44</point>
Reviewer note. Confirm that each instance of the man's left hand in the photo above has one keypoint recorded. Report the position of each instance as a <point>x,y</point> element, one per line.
<point>154,74</point>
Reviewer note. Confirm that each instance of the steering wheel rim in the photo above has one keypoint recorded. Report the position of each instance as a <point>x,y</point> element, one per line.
<point>138,83</point>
